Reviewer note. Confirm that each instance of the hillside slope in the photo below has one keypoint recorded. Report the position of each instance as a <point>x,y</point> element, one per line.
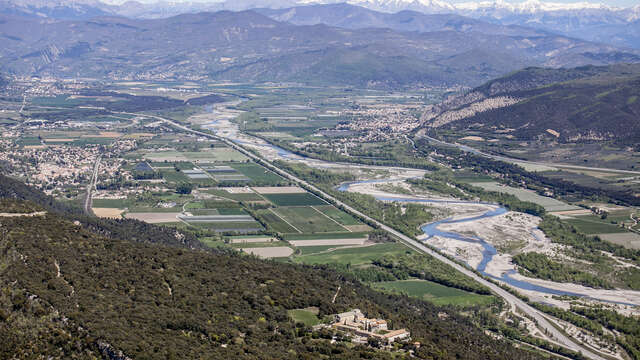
<point>571,105</point>
<point>68,292</point>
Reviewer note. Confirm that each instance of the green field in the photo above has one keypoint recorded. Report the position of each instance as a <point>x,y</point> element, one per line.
<point>218,154</point>
<point>298,199</point>
<point>230,226</point>
<point>220,211</point>
<point>259,245</point>
<point>306,250</point>
<point>594,225</point>
<point>340,235</point>
<point>170,175</point>
<point>236,197</point>
<point>258,173</point>
<point>434,292</point>
<point>355,256</point>
<point>29,141</point>
<point>304,316</point>
<point>212,242</point>
<point>308,220</point>
<point>338,215</point>
<point>109,203</point>
<point>183,165</point>
<point>274,222</point>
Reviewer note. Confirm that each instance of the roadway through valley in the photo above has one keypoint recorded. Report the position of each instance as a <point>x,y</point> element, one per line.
<point>543,321</point>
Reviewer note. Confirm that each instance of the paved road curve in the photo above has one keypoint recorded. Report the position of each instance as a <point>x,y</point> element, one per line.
<point>511,299</point>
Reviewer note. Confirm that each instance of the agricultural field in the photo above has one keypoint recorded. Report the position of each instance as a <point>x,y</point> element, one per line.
<point>295,199</point>
<point>329,242</point>
<point>110,203</point>
<point>212,242</point>
<point>236,196</point>
<point>306,250</point>
<point>339,216</point>
<point>258,173</point>
<point>592,225</point>
<point>230,226</point>
<point>340,235</point>
<point>269,252</point>
<point>204,155</point>
<point>434,292</point>
<point>274,222</point>
<point>550,204</point>
<point>107,212</point>
<point>250,239</point>
<point>154,217</point>
<point>355,256</point>
<point>629,240</point>
<point>307,220</point>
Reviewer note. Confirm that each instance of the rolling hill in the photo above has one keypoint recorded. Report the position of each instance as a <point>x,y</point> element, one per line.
<point>356,17</point>
<point>571,105</point>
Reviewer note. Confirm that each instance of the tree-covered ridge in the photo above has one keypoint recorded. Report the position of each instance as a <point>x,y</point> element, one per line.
<point>153,301</point>
<point>582,104</point>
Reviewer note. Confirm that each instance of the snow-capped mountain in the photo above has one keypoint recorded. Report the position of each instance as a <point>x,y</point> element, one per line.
<point>590,21</point>
<point>586,20</point>
<point>58,9</point>
<point>530,6</point>
<point>393,6</point>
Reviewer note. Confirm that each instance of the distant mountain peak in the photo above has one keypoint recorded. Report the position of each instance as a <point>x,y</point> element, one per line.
<point>426,6</point>
<point>533,6</point>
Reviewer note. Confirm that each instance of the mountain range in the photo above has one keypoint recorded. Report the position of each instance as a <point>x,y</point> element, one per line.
<point>590,103</point>
<point>423,50</point>
<point>588,21</point>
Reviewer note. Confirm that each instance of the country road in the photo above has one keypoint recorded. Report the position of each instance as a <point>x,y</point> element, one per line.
<point>88,201</point>
<point>542,319</point>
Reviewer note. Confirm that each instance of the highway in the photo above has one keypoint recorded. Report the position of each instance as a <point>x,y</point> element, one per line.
<point>541,319</point>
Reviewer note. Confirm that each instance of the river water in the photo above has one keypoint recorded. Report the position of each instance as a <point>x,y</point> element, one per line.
<point>431,229</point>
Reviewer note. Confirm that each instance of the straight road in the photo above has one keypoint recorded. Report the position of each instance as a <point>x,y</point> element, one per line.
<point>542,320</point>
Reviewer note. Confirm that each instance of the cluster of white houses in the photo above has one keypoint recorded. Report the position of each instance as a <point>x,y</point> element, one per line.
<point>356,323</point>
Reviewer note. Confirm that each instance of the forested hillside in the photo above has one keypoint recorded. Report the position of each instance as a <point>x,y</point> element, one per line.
<point>570,105</point>
<point>69,292</point>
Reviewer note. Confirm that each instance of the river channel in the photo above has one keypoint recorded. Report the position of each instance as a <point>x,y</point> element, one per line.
<point>431,229</point>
